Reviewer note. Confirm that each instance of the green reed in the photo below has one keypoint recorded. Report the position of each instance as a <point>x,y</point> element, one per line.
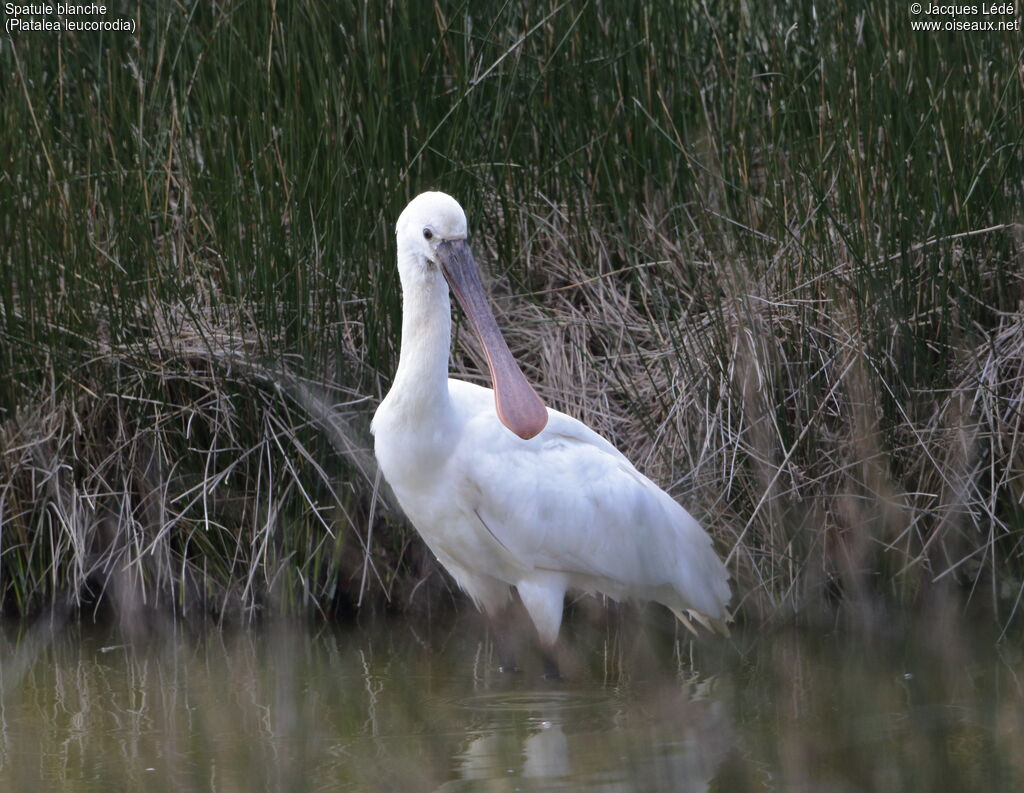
<point>773,253</point>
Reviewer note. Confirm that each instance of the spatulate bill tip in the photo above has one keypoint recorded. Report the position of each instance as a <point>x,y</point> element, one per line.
<point>522,413</point>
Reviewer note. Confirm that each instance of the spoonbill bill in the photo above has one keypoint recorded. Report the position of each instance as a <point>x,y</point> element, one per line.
<point>505,491</point>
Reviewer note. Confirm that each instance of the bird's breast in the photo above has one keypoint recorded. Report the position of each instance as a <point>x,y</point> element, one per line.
<point>410,461</point>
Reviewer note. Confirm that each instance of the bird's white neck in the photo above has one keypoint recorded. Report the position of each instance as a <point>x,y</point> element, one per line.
<point>422,376</point>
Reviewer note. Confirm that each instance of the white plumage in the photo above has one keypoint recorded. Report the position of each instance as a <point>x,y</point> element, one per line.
<point>502,498</point>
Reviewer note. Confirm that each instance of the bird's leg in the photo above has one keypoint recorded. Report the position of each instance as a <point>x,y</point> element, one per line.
<point>550,663</point>
<point>544,600</point>
<point>507,651</point>
<point>504,643</point>
<point>506,655</point>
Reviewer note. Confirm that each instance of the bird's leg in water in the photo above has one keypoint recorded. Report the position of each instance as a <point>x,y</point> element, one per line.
<point>508,649</point>
<point>550,662</point>
<point>506,658</point>
<point>503,635</point>
<point>505,647</point>
<point>544,600</point>
<point>512,637</point>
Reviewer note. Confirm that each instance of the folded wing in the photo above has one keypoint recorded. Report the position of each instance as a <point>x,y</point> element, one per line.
<point>568,502</point>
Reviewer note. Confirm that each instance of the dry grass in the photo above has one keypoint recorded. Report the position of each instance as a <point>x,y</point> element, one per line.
<point>760,408</point>
<point>763,410</point>
<point>787,284</point>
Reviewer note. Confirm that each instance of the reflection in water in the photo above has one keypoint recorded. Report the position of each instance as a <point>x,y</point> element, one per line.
<point>382,709</point>
<point>593,740</point>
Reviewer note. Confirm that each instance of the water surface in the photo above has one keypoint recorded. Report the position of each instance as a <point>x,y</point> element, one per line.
<point>396,707</point>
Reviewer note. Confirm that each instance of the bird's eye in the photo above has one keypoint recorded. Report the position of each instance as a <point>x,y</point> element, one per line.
<point>428,234</point>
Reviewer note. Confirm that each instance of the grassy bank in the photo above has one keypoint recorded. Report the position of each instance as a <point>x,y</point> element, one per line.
<point>773,254</point>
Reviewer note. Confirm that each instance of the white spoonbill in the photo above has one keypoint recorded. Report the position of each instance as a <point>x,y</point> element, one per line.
<point>509,493</point>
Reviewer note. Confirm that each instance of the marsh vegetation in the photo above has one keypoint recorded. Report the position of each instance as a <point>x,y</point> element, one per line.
<point>772,252</point>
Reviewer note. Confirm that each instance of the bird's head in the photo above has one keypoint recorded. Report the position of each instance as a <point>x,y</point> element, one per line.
<point>428,221</point>
<point>432,242</point>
